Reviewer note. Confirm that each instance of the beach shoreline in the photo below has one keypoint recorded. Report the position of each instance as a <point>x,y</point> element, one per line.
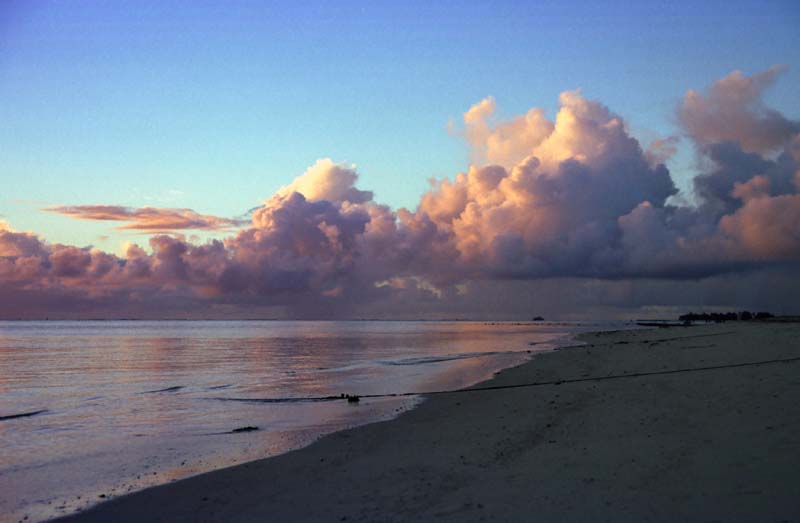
<point>562,447</point>
<point>181,390</point>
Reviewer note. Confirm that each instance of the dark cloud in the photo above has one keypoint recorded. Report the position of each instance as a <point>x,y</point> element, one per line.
<point>729,166</point>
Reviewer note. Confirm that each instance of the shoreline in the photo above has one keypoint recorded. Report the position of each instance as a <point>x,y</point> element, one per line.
<point>51,477</point>
<point>620,449</point>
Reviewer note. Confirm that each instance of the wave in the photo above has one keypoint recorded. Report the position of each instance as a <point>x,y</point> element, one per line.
<point>176,388</point>
<point>279,400</point>
<point>445,357</point>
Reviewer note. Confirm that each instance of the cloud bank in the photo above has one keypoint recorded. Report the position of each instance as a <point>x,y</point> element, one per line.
<point>574,200</point>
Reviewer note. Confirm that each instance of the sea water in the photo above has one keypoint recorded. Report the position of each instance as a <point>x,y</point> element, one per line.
<point>122,405</point>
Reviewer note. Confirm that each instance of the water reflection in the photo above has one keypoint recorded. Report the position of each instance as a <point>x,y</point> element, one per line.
<point>105,427</point>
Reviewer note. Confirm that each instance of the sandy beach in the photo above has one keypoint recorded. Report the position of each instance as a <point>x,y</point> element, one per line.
<point>653,439</point>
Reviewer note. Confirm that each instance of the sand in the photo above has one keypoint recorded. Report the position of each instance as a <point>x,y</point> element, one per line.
<point>715,445</point>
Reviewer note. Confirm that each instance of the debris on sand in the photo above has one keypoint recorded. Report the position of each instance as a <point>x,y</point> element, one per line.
<point>249,428</point>
<point>23,414</point>
<point>351,398</point>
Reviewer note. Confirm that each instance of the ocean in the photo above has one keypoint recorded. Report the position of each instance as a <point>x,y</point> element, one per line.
<point>117,406</point>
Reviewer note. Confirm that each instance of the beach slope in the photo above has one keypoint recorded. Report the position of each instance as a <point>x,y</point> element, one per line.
<point>655,442</point>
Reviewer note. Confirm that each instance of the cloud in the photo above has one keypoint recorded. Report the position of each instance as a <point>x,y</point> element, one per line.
<point>575,200</point>
<point>662,149</point>
<point>555,212</point>
<point>503,143</point>
<point>766,227</point>
<point>730,166</point>
<point>326,180</point>
<point>148,219</point>
<point>732,110</point>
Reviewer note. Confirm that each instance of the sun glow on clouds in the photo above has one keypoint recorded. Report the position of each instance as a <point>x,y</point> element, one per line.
<point>733,111</point>
<point>325,180</point>
<point>148,219</point>
<point>576,197</point>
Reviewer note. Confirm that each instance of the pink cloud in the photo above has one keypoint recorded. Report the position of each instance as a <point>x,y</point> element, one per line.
<point>767,228</point>
<point>732,110</point>
<point>148,219</point>
<point>503,143</point>
<point>577,197</point>
<point>326,180</point>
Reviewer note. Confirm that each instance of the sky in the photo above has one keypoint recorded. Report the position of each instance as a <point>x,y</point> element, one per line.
<point>130,125</point>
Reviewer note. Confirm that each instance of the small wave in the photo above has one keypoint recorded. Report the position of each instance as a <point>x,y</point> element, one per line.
<point>447,357</point>
<point>279,400</point>
<point>23,414</point>
<point>218,387</point>
<point>176,388</point>
<point>343,368</point>
<point>240,430</point>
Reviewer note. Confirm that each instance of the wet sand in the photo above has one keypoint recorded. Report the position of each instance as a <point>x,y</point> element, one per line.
<point>719,444</point>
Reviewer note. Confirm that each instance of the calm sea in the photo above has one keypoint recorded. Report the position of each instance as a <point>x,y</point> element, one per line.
<point>130,404</point>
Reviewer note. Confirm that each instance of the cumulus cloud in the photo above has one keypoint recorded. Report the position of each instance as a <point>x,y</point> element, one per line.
<point>503,143</point>
<point>730,166</point>
<point>553,213</point>
<point>148,219</point>
<point>576,199</point>
<point>326,180</point>
<point>768,228</point>
<point>732,110</point>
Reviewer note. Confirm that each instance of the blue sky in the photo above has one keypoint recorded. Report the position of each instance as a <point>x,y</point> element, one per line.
<point>214,106</point>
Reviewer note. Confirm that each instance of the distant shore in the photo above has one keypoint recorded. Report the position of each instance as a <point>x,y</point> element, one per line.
<point>696,424</point>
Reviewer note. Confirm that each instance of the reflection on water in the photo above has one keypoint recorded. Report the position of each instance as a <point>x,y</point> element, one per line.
<point>130,404</point>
